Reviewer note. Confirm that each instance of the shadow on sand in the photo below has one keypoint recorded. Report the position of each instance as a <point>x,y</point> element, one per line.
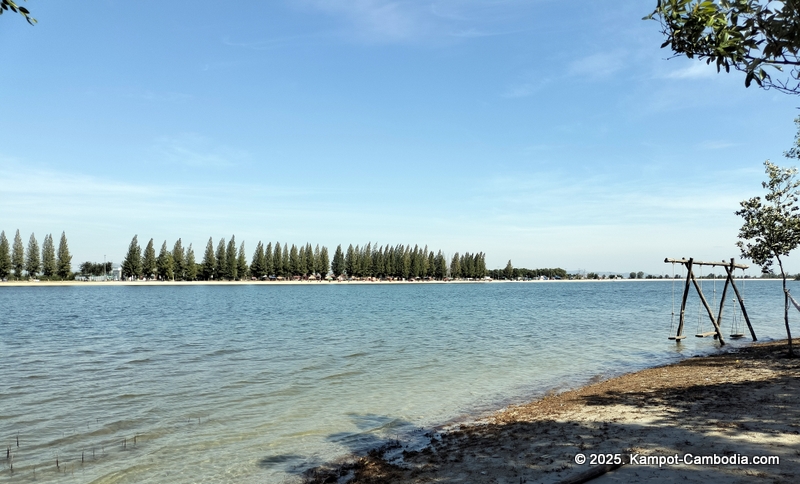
<point>729,405</point>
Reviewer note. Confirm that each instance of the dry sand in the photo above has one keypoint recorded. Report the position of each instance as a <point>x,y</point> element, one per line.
<point>730,404</point>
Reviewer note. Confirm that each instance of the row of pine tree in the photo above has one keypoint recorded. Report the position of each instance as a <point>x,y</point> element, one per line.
<point>50,263</point>
<point>229,262</point>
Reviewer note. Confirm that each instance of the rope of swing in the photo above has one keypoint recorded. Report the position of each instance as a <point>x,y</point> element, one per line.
<point>672,320</point>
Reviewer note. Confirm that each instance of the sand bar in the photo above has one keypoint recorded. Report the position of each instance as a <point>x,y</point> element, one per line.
<point>731,405</point>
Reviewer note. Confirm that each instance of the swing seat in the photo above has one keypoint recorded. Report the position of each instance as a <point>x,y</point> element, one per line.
<point>737,335</point>
<point>706,334</point>
<point>677,337</point>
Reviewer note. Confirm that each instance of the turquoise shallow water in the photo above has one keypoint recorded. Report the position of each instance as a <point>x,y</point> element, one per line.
<point>256,383</point>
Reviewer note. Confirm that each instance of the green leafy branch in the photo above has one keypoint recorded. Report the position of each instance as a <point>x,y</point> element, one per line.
<point>746,35</point>
<point>12,5</point>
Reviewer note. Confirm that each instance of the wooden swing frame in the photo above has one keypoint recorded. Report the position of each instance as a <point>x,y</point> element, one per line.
<point>730,267</point>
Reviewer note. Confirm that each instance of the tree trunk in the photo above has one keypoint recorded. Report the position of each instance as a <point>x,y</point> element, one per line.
<point>786,308</point>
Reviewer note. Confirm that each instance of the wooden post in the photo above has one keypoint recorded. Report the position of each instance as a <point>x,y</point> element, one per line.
<point>741,303</point>
<point>708,309</point>
<point>685,295</point>
<point>724,293</point>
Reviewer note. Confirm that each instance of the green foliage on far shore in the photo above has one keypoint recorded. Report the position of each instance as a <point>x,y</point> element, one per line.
<point>17,256</point>
<point>33,263</point>
<point>518,273</point>
<point>149,267</point>
<point>132,264</point>
<point>5,256</point>
<point>49,266</point>
<point>64,259</point>
<point>281,261</point>
<point>16,261</point>
<point>89,268</point>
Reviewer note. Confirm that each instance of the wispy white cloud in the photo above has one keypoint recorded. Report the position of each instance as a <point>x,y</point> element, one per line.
<point>218,66</point>
<point>168,97</point>
<point>521,90</point>
<point>377,20</point>
<point>411,21</point>
<point>477,33</point>
<point>19,180</point>
<point>557,198</point>
<point>528,86</point>
<point>597,66</point>
<point>695,70</point>
<point>265,44</point>
<point>100,215</point>
<point>717,145</point>
<point>193,150</point>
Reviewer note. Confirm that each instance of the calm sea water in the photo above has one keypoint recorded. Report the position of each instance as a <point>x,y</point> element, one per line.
<point>257,383</point>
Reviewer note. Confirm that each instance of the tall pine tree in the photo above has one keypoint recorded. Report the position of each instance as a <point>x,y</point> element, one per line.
<point>338,266</point>
<point>465,266</point>
<point>5,256</point>
<point>301,266</point>
<point>455,266</point>
<point>64,262</point>
<point>481,271</point>
<point>221,269</point>
<point>257,264</point>
<point>365,262</point>
<point>285,268</point>
<point>277,260</point>
<point>416,269</point>
<point>32,262</point>
<point>241,264</point>
<point>269,266</point>
<point>324,262</point>
<point>17,256</point>
<point>508,272</point>
<point>231,266</point>
<point>378,264</point>
<point>309,262</point>
<point>425,262</point>
<point>209,264</point>
<point>179,260</point>
<point>191,264</point>
<point>149,268</point>
<point>406,261</point>
<point>440,265</point>
<point>388,261</point>
<point>132,264</point>
<point>48,257</point>
<point>317,264</point>
<point>350,261</point>
<point>165,264</point>
<point>294,261</point>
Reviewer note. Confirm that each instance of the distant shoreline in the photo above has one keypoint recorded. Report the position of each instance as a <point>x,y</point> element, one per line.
<point>313,283</point>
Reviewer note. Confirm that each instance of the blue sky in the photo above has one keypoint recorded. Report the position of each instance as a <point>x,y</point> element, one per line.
<point>549,133</point>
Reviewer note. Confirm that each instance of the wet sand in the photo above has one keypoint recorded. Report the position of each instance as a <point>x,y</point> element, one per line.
<point>730,405</point>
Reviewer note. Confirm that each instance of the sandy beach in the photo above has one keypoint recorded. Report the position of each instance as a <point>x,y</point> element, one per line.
<point>727,408</point>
